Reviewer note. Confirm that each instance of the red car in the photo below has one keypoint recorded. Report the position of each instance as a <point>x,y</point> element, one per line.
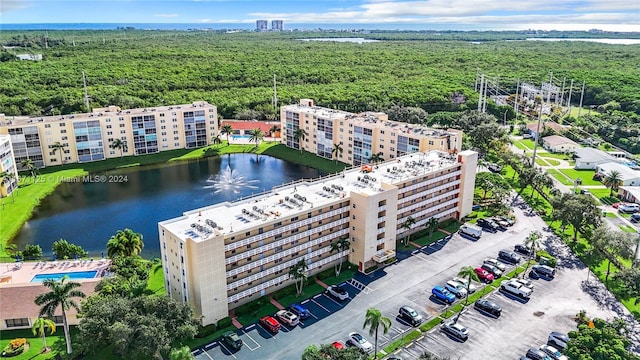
<point>270,324</point>
<point>615,205</point>
<point>484,275</point>
<point>339,345</point>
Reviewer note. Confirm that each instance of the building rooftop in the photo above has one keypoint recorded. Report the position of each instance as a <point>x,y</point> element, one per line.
<point>626,173</point>
<point>97,112</point>
<point>554,140</point>
<point>591,155</point>
<point>23,272</point>
<point>304,195</point>
<point>633,190</point>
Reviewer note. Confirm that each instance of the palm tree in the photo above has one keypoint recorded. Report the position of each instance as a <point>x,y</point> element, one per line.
<point>407,225</point>
<point>339,246</point>
<point>255,135</point>
<point>300,135</point>
<point>120,145</point>
<point>468,273</point>
<point>57,146</point>
<point>215,139</point>
<point>532,242</point>
<point>274,129</point>
<point>613,180</point>
<point>373,319</point>
<point>28,165</point>
<point>39,327</point>
<point>226,130</point>
<point>337,151</point>
<point>299,274</point>
<point>376,158</point>
<point>61,295</point>
<point>432,225</point>
<point>125,243</point>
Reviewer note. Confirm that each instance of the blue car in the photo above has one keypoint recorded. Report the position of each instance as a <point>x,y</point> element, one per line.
<point>443,294</point>
<point>300,310</point>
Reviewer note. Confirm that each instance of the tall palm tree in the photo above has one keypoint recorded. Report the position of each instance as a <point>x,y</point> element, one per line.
<point>215,139</point>
<point>125,243</point>
<point>613,180</point>
<point>376,158</point>
<point>407,225</point>
<point>57,146</point>
<point>339,246</point>
<point>274,129</point>
<point>255,135</point>
<point>299,135</point>
<point>532,242</point>
<point>337,151</point>
<point>468,273</point>
<point>299,274</point>
<point>39,327</point>
<point>120,145</point>
<point>432,225</point>
<point>28,165</point>
<point>373,319</point>
<point>61,295</point>
<point>226,130</point>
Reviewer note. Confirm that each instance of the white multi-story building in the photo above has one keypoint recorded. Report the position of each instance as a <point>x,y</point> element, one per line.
<point>7,166</point>
<point>219,257</point>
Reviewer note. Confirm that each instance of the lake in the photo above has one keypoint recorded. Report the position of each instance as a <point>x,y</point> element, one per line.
<point>88,213</point>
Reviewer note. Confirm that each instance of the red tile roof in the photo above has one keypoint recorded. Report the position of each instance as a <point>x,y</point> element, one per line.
<point>264,126</point>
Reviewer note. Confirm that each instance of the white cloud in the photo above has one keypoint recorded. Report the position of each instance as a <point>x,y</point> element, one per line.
<point>12,5</point>
<point>166,15</point>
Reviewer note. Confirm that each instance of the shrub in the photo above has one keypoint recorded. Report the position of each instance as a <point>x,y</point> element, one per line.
<point>14,347</point>
<point>546,259</point>
<point>251,308</point>
<point>204,331</point>
<point>32,252</point>
<point>224,322</point>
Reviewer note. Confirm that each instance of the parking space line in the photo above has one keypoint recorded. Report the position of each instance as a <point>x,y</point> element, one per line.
<point>210,345</point>
<point>422,257</point>
<point>441,343</point>
<point>209,356</point>
<point>337,303</point>
<point>230,353</point>
<point>304,302</point>
<point>252,339</point>
<point>324,308</point>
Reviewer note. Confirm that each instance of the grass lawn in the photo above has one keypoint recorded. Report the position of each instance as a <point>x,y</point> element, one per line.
<point>560,177</point>
<point>585,175</point>
<point>555,156</point>
<point>426,239</point>
<point>305,158</point>
<point>155,284</point>
<point>603,195</point>
<point>55,342</point>
<point>553,162</point>
<point>519,145</point>
<point>627,228</point>
<point>542,162</point>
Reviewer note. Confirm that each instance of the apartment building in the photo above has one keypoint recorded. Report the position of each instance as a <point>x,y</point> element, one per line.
<point>7,166</point>
<point>277,25</point>
<point>262,25</point>
<point>360,135</point>
<point>53,140</point>
<point>219,257</point>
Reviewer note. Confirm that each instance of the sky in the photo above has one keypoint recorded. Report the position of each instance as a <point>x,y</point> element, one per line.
<point>610,15</point>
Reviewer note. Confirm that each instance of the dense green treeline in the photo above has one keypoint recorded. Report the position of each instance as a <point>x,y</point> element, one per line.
<point>137,68</point>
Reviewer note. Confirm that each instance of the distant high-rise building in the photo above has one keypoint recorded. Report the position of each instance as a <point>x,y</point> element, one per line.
<point>262,25</point>
<point>276,25</point>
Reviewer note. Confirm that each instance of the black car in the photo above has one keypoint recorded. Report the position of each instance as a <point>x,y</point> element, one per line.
<point>522,249</point>
<point>536,354</point>
<point>488,225</point>
<point>409,315</point>
<point>507,220</point>
<point>502,225</point>
<point>488,307</point>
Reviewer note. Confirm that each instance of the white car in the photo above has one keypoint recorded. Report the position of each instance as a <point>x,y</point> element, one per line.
<point>360,342</point>
<point>472,287</point>
<point>288,317</point>
<point>525,282</point>
<point>456,288</point>
<point>553,353</point>
<point>456,330</point>
<point>516,288</point>
<point>629,208</point>
<point>496,263</point>
<point>337,292</point>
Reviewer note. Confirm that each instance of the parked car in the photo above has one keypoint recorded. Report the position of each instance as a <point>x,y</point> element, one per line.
<point>516,288</point>
<point>270,324</point>
<point>496,263</point>
<point>525,282</point>
<point>472,288</point>
<point>553,353</point>
<point>488,225</point>
<point>456,288</point>
<point>629,208</point>
<point>502,225</point>
<point>232,340</point>
<point>558,340</point>
<point>542,270</point>
<point>616,205</point>
<point>527,136</point>
<point>337,292</point>
<point>410,315</point>
<point>484,275</point>
<point>471,230</point>
<point>495,168</point>
<point>488,307</point>
<point>519,248</point>
<point>360,342</point>
<point>635,218</point>
<point>537,354</point>
<point>492,269</point>
<point>509,256</point>
<point>456,330</point>
<point>301,311</point>
<point>338,345</point>
<point>508,221</point>
<point>288,317</point>
<point>443,294</point>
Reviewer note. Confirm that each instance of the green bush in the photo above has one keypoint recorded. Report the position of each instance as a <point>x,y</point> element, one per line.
<point>545,258</point>
<point>224,322</point>
<point>251,308</point>
<point>204,331</point>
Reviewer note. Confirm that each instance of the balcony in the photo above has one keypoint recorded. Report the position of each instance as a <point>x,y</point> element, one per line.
<point>383,256</point>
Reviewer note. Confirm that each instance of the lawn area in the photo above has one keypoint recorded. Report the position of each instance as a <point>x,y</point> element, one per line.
<point>555,156</point>
<point>585,175</point>
<point>305,158</point>
<point>155,284</point>
<point>524,144</point>
<point>560,177</point>
<point>546,162</point>
<point>55,342</point>
<point>426,239</point>
<point>603,195</point>
<point>627,228</point>
<point>519,145</point>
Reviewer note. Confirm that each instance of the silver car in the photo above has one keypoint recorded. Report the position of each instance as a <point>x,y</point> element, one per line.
<point>456,288</point>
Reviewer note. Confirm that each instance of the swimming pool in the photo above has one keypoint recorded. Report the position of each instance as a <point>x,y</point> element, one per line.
<point>72,276</point>
<point>238,137</point>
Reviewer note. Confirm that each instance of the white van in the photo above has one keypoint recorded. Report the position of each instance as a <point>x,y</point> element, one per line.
<point>471,230</point>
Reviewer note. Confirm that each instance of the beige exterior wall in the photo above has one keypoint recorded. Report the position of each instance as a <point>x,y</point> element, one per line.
<point>469,160</point>
<point>114,123</point>
<point>7,164</point>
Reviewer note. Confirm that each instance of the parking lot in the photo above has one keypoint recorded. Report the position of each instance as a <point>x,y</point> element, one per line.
<point>409,282</point>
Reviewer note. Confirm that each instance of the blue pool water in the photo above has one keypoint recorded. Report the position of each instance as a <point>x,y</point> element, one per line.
<point>235,137</point>
<point>72,276</point>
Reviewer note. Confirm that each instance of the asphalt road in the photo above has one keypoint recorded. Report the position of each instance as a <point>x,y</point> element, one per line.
<point>408,282</point>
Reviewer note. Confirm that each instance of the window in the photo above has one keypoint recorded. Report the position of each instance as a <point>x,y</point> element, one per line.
<point>46,126</point>
<point>16,322</point>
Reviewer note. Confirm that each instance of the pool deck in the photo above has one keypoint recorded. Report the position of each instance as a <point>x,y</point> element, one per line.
<point>23,272</point>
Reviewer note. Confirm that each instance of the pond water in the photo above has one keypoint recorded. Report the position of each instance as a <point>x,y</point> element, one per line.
<point>88,213</point>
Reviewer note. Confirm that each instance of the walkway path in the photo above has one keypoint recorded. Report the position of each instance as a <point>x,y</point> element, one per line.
<point>234,320</point>
<point>275,303</point>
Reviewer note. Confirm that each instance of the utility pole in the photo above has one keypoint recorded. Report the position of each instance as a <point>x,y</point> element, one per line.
<point>515,101</point>
<point>561,92</point>
<point>475,86</point>
<point>46,40</point>
<point>581,98</point>
<point>569,98</point>
<point>537,138</point>
<point>480,92</point>
<point>275,97</point>
<point>484,97</point>
<point>86,96</point>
